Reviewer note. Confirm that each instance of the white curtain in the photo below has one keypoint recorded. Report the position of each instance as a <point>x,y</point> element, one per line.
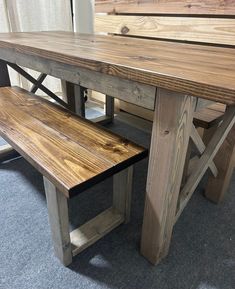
<point>83,15</point>
<point>35,15</point>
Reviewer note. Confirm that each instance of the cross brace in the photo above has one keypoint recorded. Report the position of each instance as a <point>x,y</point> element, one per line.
<point>206,159</point>
<point>37,83</point>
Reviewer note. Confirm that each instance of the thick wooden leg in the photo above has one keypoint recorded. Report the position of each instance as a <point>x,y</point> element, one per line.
<point>4,75</point>
<point>6,151</point>
<point>170,137</point>
<point>75,98</point>
<point>109,112</point>
<point>122,190</point>
<point>109,107</point>
<point>59,222</point>
<point>225,161</point>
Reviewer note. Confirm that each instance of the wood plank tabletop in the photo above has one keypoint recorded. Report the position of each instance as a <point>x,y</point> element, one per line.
<point>199,70</point>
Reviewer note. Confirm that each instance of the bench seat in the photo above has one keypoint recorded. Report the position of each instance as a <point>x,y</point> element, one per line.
<point>73,153</point>
<point>209,116</point>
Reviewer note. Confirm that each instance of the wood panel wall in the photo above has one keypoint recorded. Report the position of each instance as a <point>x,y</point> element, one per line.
<point>216,7</point>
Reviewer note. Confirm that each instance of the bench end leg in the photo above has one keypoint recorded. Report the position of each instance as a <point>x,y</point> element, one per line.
<point>59,222</point>
<point>122,190</point>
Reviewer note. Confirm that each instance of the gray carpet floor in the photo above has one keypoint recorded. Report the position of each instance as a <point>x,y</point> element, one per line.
<point>202,252</point>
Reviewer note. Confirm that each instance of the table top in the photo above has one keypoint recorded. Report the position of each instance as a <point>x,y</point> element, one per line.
<point>199,70</point>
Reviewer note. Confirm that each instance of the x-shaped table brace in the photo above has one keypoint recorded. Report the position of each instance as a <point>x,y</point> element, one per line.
<point>206,159</point>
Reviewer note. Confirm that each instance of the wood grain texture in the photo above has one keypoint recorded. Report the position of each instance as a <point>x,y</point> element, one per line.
<point>75,98</point>
<point>200,146</point>
<point>216,188</point>
<point>57,205</point>
<point>95,229</point>
<point>206,7</point>
<point>207,30</point>
<point>55,142</point>
<point>131,91</point>
<point>205,160</point>
<point>171,130</point>
<point>185,68</point>
<point>122,191</point>
<point>209,116</point>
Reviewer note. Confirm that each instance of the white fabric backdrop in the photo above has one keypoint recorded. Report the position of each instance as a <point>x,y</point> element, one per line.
<point>35,15</point>
<point>83,16</point>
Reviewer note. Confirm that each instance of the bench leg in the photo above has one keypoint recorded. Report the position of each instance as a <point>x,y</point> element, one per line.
<point>75,98</point>
<point>172,126</point>
<point>225,161</point>
<point>102,224</point>
<point>122,190</point>
<point>109,107</point>
<point>59,222</point>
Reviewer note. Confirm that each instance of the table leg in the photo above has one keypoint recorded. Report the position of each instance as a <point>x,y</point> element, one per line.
<point>4,75</point>
<point>6,151</point>
<point>170,137</point>
<point>75,98</point>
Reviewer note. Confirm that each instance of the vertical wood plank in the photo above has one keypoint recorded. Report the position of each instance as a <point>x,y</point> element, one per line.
<point>4,75</point>
<point>59,222</point>
<point>170,137</point>
<point>109,107</point>
<point>225,161</point>
<point>122,190</point>
<point>75,98</point>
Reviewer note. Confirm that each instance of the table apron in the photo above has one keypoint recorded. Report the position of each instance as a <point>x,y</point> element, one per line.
<point>130,91</point>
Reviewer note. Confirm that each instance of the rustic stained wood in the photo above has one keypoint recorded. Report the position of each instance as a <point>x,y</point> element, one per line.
<point>109,107</point>
<point>187,7</point>
<point>6,151</point>
<point>225,161</point>
<point>105,62</point>
<point>95,229</point>
<point>205,30</point>
<point>200,146</point>
<point>57,205</point>
<point>204,162</point>
<point>209,116</point>
<point>171,130</point>
<point>122,189</point>
<point>184,68</point>
<point>131,91</point>
<point>66,244</point>
<point>75,98</point>
<point>54,141</point>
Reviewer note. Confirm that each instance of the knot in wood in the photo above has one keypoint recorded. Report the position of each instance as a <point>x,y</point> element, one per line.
<point>125,30</point>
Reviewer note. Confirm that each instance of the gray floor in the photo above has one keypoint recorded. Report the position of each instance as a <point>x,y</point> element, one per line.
<point>202,253</point>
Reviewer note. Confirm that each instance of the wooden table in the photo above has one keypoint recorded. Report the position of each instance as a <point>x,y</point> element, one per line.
<point>162,76</point>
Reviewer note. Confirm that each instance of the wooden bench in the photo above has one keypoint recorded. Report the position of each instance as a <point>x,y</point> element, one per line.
<point>179,21</point>
<point>72,154</point>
